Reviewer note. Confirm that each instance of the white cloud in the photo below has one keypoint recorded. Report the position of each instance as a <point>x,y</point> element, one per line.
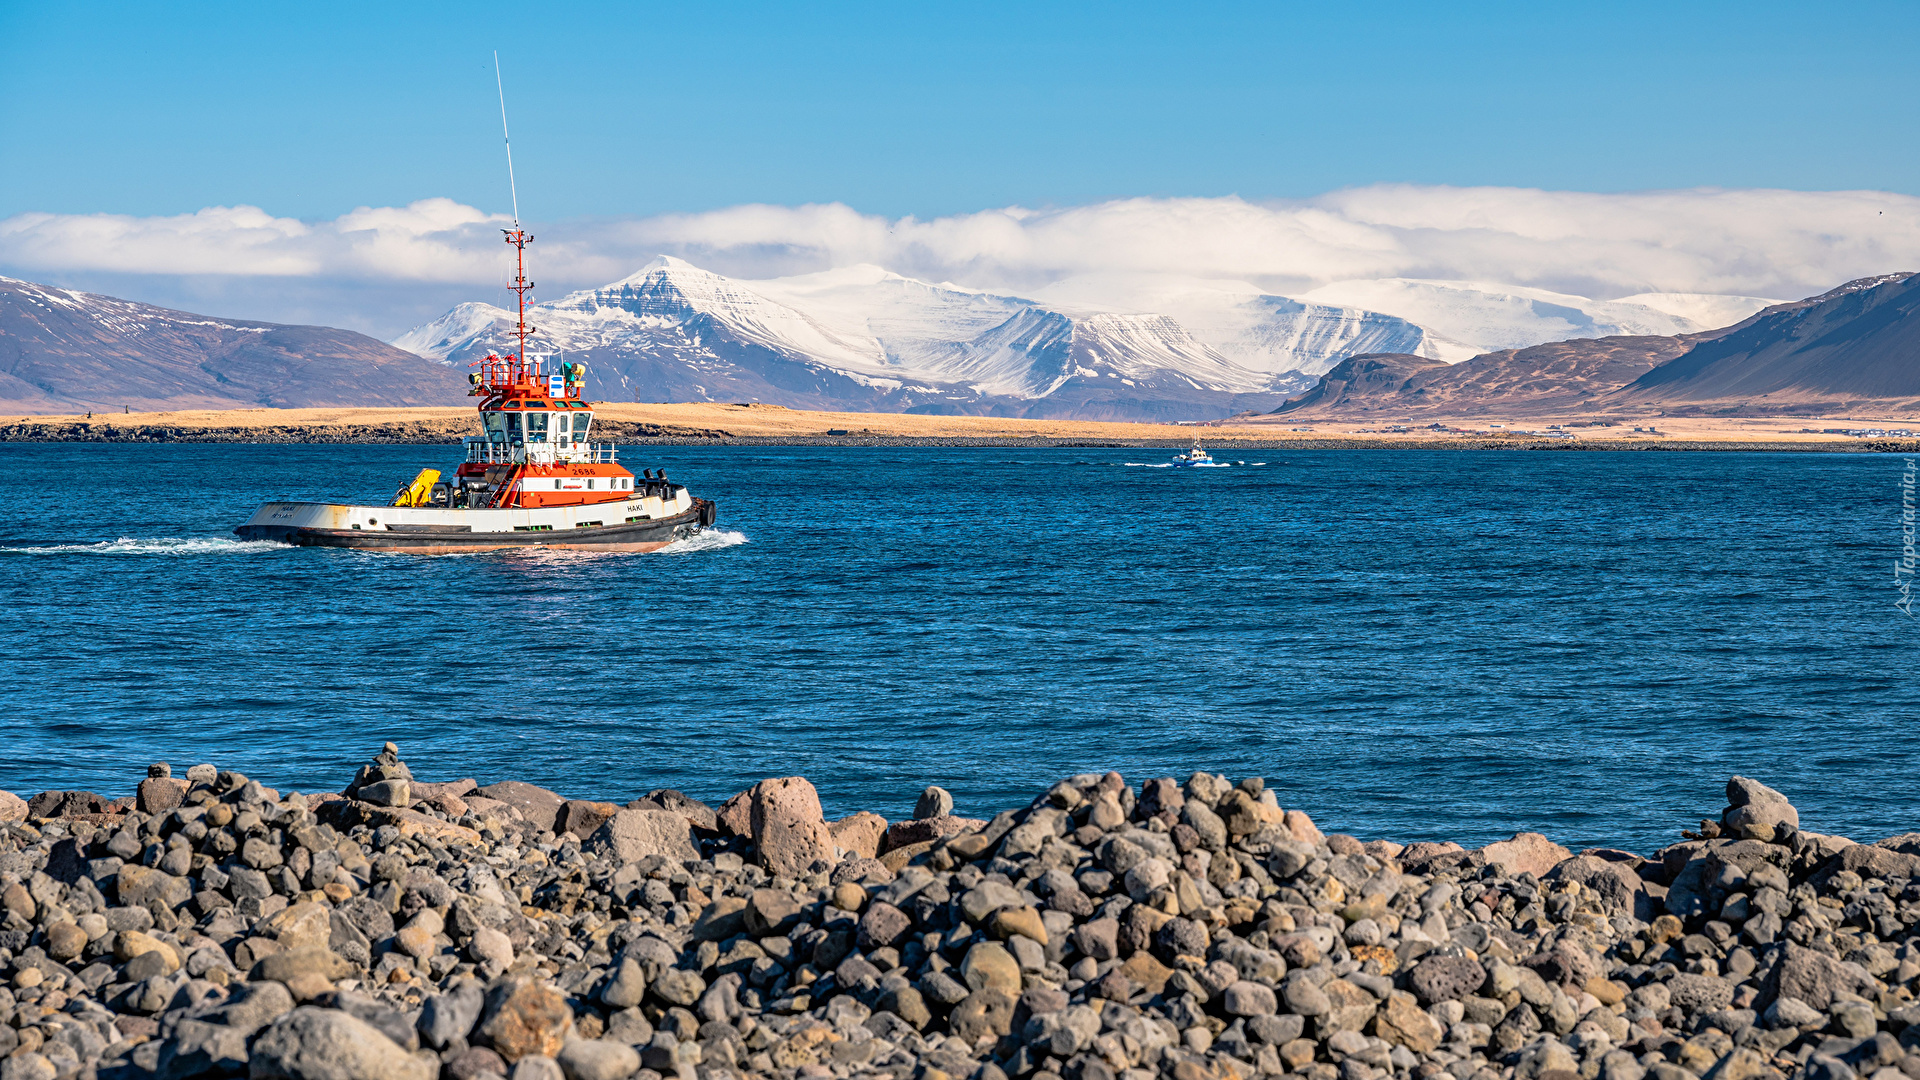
<point>430,240</point>
<point>1750,242</point>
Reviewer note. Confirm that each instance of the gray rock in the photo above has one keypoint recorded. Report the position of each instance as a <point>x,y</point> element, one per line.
<point>632,835</point>
<point>449,1016</point>
<point>1445,978</point>
<point>597,1059</point>
<point>626,986</point>
<point>540,807</point>
<point>1303,998</point>
<point>679,987</point>
<point>324,1044</point>
<point>475,1062</point>
<point>986,898</point>
<point>882,924</point>
<point>1249,999</point>
<point>1792,1012</point>
<point>27,1066</point>
<point>250,1007</point>
<point>943,988</point>
<point>140,886</point>
<point>491,949</point>
<point>985,1013</point>
<point>537,1067</point>
<point>1208,788</point>
<point>247,883</point>
<point>1098,938</point>
<point>1750,802</point>
<point>933,802</point>
<point>1699,993</point>
<point>387,793</point>
<point>1854,1019</point>
<point>199,1048</point>
<point>1180,936</point>
<point>630,1026</point>
<point>1276,1030</point>
<point>1814,977</point>
<point>1823,1067</point>
<point>1206,824</point>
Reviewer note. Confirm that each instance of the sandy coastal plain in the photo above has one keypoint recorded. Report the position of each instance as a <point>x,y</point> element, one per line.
<point>745,422</point>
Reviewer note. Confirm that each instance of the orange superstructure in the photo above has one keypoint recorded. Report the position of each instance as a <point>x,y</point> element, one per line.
<point>537,447</point>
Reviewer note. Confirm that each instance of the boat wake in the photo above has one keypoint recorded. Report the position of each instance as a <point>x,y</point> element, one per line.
<point>705,540</point>
<point>168,545</point>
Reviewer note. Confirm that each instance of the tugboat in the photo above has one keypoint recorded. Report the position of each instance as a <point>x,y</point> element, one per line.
<point>1190,458</point>
<point>534,479</point>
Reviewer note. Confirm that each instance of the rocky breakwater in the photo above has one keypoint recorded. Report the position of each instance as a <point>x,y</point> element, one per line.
<point>405,930</point>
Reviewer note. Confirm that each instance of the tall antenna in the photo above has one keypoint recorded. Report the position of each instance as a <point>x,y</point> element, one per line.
<point>506,138</point>
<point>516,236</point>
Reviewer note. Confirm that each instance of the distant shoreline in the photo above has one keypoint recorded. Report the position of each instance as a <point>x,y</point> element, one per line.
<point>409,435</point>
<point>751,424</point>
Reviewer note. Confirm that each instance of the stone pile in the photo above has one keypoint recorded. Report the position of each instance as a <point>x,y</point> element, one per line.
<point>405,930</point>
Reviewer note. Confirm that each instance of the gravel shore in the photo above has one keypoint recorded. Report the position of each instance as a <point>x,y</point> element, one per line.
<point>408,930</point>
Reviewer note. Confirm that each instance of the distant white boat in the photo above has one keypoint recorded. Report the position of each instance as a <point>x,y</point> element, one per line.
<point>1191,458</point>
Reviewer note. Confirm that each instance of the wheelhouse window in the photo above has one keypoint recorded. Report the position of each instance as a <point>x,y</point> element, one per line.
<point>513,427</point>
<point>497,426</point>
<point>536,427</point>
<point>580,424</point>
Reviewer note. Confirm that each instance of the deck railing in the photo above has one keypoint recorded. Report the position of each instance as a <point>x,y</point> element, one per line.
<point>482,452</point>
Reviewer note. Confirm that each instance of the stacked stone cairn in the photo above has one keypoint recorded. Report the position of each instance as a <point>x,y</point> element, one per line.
<point>402,930</point>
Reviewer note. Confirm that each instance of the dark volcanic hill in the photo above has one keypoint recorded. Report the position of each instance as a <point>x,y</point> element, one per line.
<point>64,351</point>
<point>1362,382</point>
<point>1859,342</point>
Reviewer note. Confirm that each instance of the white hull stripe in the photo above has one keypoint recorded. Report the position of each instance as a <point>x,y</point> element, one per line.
<point>307,515</point>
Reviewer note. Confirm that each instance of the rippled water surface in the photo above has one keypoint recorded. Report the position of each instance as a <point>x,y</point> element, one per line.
<point>1408,644</point>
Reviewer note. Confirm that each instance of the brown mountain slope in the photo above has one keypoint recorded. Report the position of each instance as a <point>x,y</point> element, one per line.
<point>63,351</point>
<point>1858,342</point>
<point>1855,346</point>
<point>1550,379</point>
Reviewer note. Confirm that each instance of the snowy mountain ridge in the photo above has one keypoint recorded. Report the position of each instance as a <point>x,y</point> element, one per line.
<point>1141,347</point>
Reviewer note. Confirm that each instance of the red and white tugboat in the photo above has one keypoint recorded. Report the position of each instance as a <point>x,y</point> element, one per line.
<point>534,478</point>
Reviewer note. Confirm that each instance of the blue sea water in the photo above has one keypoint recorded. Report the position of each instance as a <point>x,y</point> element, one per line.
<point>1406,644</point>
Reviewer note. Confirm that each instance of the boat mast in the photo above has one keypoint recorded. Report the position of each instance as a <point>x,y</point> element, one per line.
<point>519,239</point>
<point>516,236</point>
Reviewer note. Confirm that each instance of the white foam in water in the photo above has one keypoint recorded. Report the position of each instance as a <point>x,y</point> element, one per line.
<point>706,540</point>
<point>166,545</point>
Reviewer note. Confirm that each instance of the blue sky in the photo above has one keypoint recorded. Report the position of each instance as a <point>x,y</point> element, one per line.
<point>895,109</point>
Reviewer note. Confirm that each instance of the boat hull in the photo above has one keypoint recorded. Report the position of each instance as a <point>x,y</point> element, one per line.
<point>308,525</point>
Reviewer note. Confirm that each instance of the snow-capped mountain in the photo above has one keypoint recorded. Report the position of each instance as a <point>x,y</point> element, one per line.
<point>863,338</point>
<point>1487,317</point>
<point>1256,329</point>
<point>1039,350</point>
<point>910,320</point>
<point>1132,347</point>
<point>448,334</point>
<point>1706,311</point>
